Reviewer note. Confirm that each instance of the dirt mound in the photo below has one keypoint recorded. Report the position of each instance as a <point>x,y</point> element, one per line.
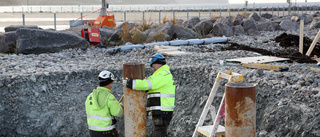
<point>294,57</point>
<point>289,40</point>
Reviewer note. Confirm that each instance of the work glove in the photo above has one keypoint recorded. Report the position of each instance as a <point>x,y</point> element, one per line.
<point>129,83</point>
<point>122,105</point>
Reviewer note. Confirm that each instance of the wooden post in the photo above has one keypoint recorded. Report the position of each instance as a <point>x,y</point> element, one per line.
<point>313,43</point>
<point>134,102</point>
<point>301,36</point>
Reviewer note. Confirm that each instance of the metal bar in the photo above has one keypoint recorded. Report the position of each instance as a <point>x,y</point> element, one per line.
<point>23,20</point>
<point>55,21</point>
<point>240,110</point>
<point>134,102</point>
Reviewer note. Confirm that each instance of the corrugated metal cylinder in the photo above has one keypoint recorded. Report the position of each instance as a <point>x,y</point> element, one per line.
<point>134,102</point>
<point>240,110</point>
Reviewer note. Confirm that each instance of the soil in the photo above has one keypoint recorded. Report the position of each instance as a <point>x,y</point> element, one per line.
<point>291,43</point>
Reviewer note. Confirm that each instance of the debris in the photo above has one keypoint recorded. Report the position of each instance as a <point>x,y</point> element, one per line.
<point>265,66</point>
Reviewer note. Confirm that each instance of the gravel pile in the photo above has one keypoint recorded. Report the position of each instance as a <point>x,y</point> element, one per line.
<point>288,103</point>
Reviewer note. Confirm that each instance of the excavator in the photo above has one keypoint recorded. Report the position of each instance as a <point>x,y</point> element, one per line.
<point>91,34</point>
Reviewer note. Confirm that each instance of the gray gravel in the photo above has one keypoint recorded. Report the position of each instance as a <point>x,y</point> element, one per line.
<point>288,103</point>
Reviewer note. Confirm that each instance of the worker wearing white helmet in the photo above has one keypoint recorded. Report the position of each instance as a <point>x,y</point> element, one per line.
<point>101,107</point>
<point>161,94</point>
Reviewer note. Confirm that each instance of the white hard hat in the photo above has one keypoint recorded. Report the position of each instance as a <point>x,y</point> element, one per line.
<point>106,77</point>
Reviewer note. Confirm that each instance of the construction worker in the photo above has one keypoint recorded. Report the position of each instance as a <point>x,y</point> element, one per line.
<point>161,94</point>
<point>101,107</point>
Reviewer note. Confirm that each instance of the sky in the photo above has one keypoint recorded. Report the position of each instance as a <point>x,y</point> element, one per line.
<point>270,1</point>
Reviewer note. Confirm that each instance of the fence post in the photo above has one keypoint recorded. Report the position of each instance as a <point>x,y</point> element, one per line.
<point>55,21</point>
<point>220,12</point>
<point>23,20</point>
<point>283,11</point>
<point>229,11</point>
<point>278,12</point>
<point>260,11</point>
<point>199,13</point>
<point>81,14</point>
<point>142,15</point>
<point>174,15</point>
<point>159,16</point>
<point>210,14</point>
<point>187,13</point>
<point>125,16</point>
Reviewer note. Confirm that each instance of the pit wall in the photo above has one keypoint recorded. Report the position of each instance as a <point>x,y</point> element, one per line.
<point>53,104</point>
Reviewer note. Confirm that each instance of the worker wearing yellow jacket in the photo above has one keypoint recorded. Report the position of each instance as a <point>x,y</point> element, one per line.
<point>101,107</point>
<point>161,94</point>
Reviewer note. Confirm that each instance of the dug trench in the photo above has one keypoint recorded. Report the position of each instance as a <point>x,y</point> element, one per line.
<point>52,104</point>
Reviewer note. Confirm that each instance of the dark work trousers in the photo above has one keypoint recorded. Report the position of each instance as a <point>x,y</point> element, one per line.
<point>160,126</point>
<point>111,133</point>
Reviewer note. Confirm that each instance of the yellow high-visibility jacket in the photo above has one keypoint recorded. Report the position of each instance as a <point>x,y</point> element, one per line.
<point>161,94</point>
<point>101,106</point>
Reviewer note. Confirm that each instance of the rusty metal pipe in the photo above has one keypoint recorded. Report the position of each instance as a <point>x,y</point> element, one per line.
<point>134,102</point>
<point>240,106</point>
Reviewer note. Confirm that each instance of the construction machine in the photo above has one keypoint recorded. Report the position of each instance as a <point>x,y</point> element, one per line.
<point>91,33</point>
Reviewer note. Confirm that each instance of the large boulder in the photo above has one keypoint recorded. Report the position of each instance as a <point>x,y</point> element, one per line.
<point>35,41</point>
<point>220,29</point>
<point>191,22</point>
<point>8,42</point>
<point>238,30</point>
<point>288,24</point>
<point>183,33</point>
<point>225,21</point>
<point>167,28</point>
<point>248,24</point>
<point>266,26</point>
<point>267,15</point>
<point>16,27</point>
<point>255,16</point>
<point>203,27</point>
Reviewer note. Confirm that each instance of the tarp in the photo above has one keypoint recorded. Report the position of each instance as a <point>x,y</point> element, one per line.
<point>170,43</point>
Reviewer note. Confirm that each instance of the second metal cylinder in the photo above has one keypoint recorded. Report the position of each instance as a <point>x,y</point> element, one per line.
<point>240,110</point>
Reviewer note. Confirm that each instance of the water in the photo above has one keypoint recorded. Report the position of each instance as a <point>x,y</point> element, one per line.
<point>92,8</point>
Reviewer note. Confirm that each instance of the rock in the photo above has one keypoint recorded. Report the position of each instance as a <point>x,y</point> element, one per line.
<point>106,32</point>
<point>16,27</point>
<point>266,26</point>
<point>288,24</point>
<point>8,42</point>
<point>225,21</point>
<point>315,24</point>
<point>248,24</point>
<point>255,16</point>
<point>183,34</point>
<point>115,37</point>
<point>238,29</point>
<point>167,28</point>
<point>253,32</point>
<point>191,22</point>
<point>220,29</point>
<point>203,27</point>
<point>267,15</point>
<point>35,41</point>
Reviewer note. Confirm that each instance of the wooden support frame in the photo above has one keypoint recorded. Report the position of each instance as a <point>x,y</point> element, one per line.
<point>301,36</point>
<point>313,44</point>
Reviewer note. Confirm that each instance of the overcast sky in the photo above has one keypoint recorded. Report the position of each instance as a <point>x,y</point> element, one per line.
<point>270,1</point>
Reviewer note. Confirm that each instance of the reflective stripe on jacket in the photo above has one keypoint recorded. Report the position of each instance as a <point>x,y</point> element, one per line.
<point>101,106</point>
<point>161,95</point>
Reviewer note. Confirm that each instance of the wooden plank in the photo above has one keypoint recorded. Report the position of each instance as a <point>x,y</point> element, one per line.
<point>301,36</point>
<point>259,59</point>
<point>313,44</point>
<point>169,50</point>
<point>205,130</point>
<point>265,66</point>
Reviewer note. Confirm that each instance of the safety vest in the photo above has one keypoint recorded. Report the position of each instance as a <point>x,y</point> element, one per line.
<point>161,94</point>
<point>101,106</point>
